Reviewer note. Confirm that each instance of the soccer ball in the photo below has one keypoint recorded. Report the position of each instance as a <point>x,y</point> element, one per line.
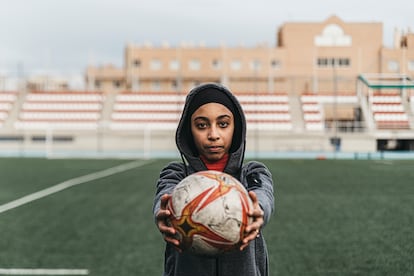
<point>209,212</point>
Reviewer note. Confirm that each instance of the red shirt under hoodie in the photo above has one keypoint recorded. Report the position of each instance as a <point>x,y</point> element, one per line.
<point>216,165</point>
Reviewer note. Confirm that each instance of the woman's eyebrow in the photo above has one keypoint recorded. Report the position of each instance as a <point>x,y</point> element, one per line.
<point>223,116</point>
<point>200,118</point>
<point>207,119</point>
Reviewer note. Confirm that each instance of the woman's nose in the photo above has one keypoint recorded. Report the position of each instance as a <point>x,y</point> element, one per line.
<point>213,134</point>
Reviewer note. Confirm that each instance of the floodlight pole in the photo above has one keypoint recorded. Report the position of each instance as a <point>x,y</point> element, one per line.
<point>335,140</point>
<point>335,86</point>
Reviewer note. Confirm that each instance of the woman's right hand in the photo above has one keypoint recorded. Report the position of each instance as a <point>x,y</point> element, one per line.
<point>167,231</point>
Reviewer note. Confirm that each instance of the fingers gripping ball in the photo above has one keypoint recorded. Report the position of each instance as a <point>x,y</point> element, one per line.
<point>210,212</point>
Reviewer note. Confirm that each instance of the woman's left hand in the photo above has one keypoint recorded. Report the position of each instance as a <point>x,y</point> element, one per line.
<point>252,230</point>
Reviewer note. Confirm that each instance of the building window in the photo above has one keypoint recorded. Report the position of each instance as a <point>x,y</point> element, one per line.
<point>174,85</point>
<point>393,66</point>
<point>322,62</point>
<point>174,65</point>
<point>255,65</point>
<point>343,62</point>
<point>156,85</point>
<point>196,83</point>
<point>136,63</point>
<point>275,64</point>
<point>155,64</point>
<point>97,84</point>
<point>330,62</point>
<point>194,65</point>
<point>235,65</point>
<point>411,65</point>
<point>216,64</point>
<point>117,84</point>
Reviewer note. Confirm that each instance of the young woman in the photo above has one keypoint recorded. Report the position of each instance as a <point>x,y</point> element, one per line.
<point>211,136</point>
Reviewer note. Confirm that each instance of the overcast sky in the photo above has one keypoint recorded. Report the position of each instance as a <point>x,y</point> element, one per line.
<point>64,36</point>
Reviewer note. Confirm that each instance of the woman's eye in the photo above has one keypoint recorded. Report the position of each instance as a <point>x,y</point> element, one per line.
<point>201,125</point>
<point>223,124</point>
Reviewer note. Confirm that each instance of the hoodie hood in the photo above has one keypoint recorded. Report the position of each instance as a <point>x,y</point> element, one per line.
<point>184,138</point>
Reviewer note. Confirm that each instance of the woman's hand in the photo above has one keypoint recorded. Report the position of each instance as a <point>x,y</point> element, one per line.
<point>252,230</point>
<point>165,229</point>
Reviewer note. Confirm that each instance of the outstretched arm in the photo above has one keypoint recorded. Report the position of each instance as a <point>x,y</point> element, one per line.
<point>165,229</point>
<point>170,176</point>
<point>253,229</point>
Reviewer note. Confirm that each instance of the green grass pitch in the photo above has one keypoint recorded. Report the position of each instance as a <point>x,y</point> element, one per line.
<point>333,217</point>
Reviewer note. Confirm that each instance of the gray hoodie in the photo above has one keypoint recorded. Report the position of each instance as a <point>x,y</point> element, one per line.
<point>255,176</point>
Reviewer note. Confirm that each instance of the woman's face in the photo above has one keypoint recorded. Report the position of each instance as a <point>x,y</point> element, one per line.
<point>212,126</point>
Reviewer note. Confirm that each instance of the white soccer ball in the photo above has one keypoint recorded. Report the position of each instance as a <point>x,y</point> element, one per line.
<point>210,212</point>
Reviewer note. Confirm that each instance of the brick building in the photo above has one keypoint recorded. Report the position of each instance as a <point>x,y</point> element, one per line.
<point>316,57</point>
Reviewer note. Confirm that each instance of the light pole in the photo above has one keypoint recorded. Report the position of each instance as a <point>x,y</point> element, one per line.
<point>336,141</point>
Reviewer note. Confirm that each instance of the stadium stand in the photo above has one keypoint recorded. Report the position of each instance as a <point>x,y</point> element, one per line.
<point>7,100</point>
<point>130,111</point>
<point>313,111</point>
<point>266,111</point>
<point>162,110</point>
<point>388,111</point>
<point>60,110</point>
<point>133,110</point>
<point>143,122</point>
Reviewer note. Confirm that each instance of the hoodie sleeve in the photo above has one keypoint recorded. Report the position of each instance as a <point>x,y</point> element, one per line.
<point>170,176</point>
<point>257,177</point>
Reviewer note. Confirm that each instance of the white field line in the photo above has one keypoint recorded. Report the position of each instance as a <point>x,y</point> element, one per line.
<point>70,183</point>
<point>42,271</point>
